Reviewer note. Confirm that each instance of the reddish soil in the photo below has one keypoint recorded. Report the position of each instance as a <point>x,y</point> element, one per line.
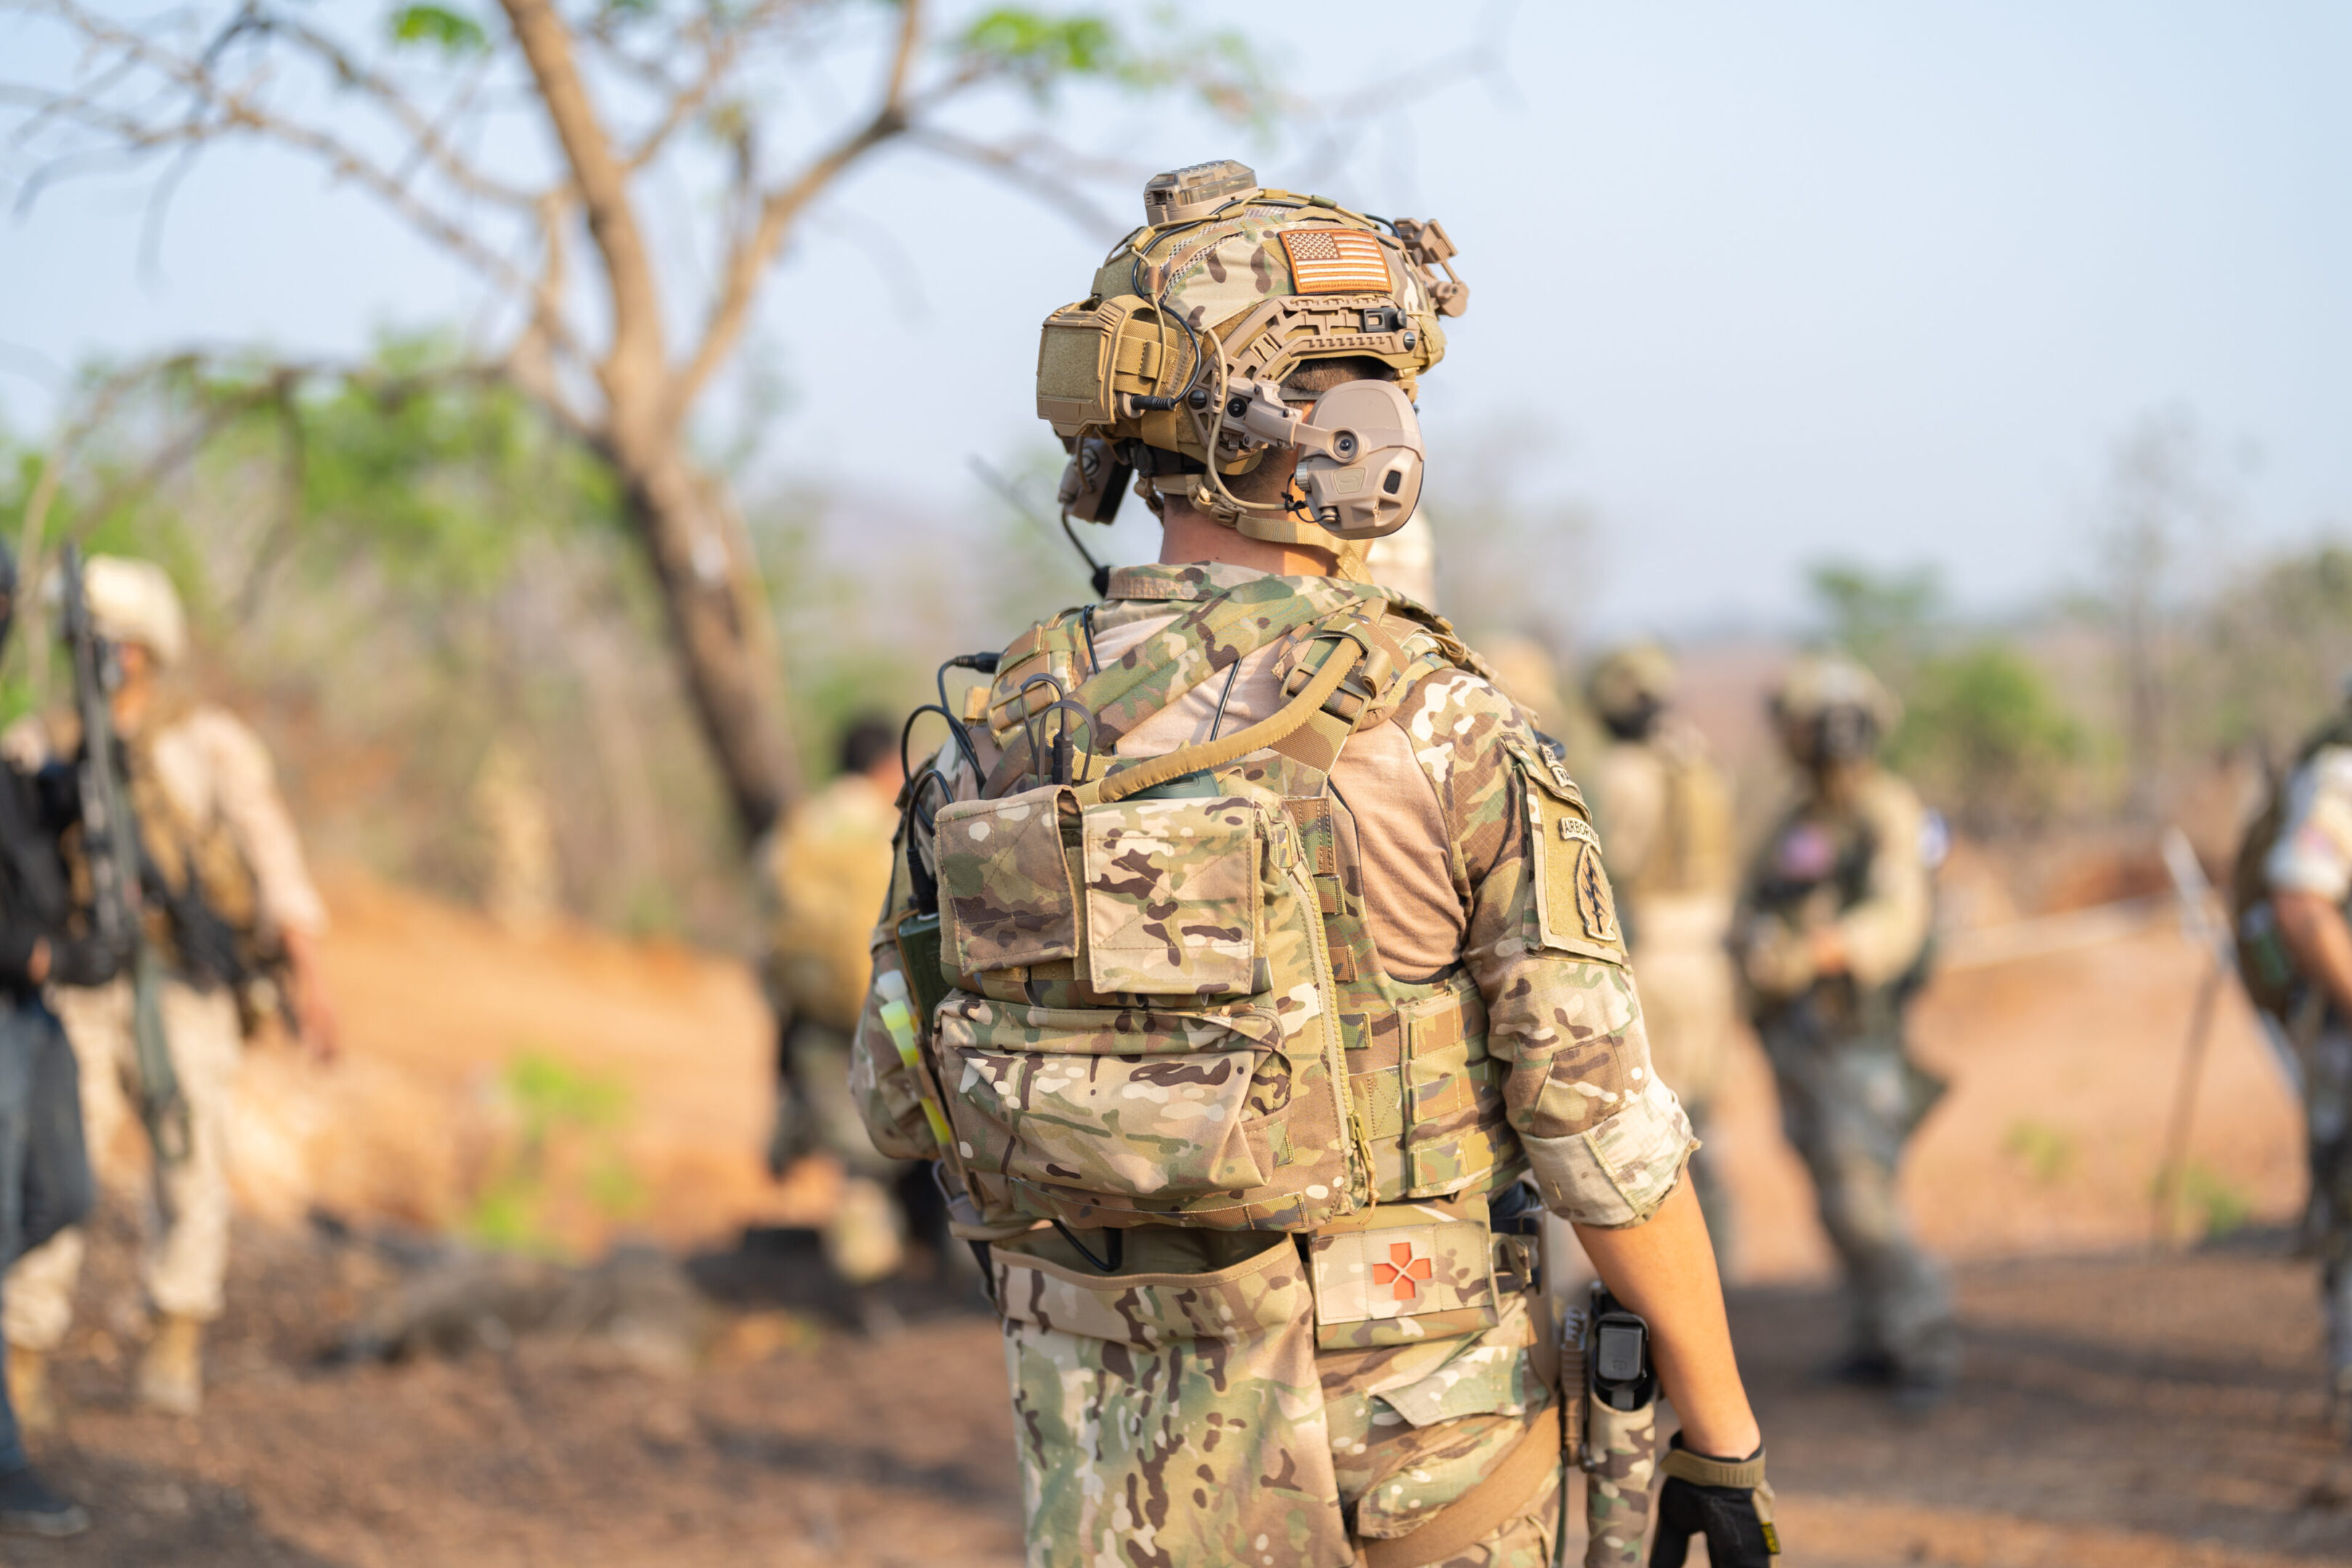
<point>2121,1406</point>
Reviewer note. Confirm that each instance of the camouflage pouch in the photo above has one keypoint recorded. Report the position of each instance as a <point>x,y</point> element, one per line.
<point>1403,1272</point>
<point>1137,1031</point>
<point>1178,1406</point>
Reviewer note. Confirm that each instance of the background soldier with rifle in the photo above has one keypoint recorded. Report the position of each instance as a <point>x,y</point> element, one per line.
<point>45,1182</point>
<point>195,824</point>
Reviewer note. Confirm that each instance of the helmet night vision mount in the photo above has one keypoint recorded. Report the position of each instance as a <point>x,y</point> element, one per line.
<point>1173,367</point>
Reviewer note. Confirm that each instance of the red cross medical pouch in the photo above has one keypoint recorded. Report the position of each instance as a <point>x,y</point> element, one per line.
<point>1400,1273</point>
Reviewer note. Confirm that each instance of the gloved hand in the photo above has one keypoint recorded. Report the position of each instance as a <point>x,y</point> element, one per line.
<point>86,961</point>
<point>1728,1501</point>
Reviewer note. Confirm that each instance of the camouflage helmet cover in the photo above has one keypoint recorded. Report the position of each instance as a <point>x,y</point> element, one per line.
<point>1630,679</point>
<point>1262,280</point>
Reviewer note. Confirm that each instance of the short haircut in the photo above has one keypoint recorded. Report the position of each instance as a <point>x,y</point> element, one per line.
<point>868,739</point>
<point>1317,376</point>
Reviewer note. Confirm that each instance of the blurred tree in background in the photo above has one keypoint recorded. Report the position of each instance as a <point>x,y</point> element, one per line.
<point>1985,733</point>
<point>616,98</point>
<point>2276,649</point>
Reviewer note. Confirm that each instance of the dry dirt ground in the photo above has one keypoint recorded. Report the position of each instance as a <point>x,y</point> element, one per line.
<point>2121,1406</point>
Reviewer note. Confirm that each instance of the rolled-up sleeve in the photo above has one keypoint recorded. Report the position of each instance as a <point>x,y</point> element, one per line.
<point>1604,1139</point>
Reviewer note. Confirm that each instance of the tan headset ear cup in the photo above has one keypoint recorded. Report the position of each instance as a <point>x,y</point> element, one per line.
<point>1349,496</point>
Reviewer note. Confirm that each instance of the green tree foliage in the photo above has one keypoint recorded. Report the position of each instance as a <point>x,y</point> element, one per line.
<point>399,574</point>
<point>1884,619</point>
<point>1984,733</point>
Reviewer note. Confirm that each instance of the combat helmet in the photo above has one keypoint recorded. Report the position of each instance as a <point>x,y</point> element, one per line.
<point>1829,709</point>
<point>1171,367</point>
<point>1630,687</point>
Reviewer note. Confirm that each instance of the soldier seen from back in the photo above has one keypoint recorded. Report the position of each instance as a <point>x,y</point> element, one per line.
<point>1833,937</point>
<point>231,909</point>
<point>1664,806</point>
<point>2292,896</point>
<point>1252,969</point>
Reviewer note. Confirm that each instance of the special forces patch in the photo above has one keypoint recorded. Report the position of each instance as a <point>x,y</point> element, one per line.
<point>1594,901</point>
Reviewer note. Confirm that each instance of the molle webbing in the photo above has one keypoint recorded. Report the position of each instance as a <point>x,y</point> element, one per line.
<point>1306,708</point>
<point>1205,641</point>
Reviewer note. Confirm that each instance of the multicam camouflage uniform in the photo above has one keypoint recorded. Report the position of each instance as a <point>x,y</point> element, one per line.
<point>1298,1366</point>
<point>1855,859</point>
<point>2313,854</point>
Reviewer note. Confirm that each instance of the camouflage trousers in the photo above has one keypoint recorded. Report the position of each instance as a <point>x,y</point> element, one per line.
<point>1848,1104</point>
<point>1177,1414</point>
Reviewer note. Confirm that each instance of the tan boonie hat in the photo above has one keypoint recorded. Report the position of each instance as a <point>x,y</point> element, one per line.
<point>134,602</point>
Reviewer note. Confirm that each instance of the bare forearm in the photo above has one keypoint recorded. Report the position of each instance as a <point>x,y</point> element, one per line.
<point>1664,1270</point>
<point>2320,941</point>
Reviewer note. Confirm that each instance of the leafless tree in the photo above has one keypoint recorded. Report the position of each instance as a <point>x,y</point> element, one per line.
<point>2161,497</point>
<point>584,287</point>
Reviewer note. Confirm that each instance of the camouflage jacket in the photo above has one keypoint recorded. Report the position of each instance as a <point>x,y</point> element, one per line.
<point>1544,1066</point>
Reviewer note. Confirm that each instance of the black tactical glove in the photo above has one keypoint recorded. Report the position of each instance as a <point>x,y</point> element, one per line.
<point>86,961</point>
<point>1727,1500</point>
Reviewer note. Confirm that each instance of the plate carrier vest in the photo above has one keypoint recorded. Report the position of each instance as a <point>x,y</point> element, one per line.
<point>1162,1003</point>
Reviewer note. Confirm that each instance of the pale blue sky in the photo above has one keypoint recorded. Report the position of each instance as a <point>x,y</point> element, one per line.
<point>1765,283</point>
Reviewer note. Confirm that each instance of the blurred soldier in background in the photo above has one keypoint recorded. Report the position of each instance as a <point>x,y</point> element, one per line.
<point>231,907</point>
<point>44,1182</point>
<point>1833,938</point>
<point>1663,807</point>
<point>824,875</point>
<point>2291,895</point>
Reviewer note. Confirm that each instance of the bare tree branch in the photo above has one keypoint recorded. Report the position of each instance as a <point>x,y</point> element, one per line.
<point>753,252</point>
<point>1016,163</point>
<point>216,110</point>
<point>635,355</point>
<point>430,142</point>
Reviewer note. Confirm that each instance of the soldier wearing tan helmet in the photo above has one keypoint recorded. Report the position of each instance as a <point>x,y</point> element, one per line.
<point>237,905</point>
<point>1252,970</point>
<point>1665,806</point>
<point>1833,937</point>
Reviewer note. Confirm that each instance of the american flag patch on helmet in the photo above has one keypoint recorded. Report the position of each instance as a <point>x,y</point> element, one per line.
<point>1335,261</point>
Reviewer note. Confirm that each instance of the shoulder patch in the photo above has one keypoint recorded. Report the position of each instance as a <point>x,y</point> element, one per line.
<point>1575,907</point>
